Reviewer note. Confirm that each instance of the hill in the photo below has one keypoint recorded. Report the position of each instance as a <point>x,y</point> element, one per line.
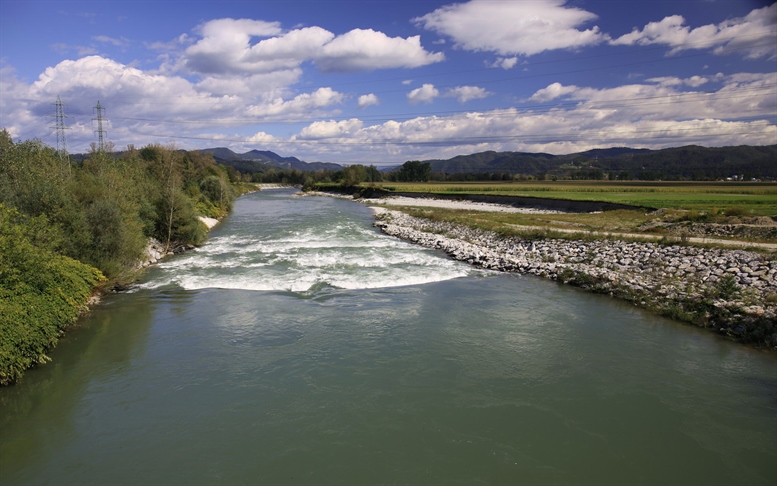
<point>690,162</point>
<point>263,160</point>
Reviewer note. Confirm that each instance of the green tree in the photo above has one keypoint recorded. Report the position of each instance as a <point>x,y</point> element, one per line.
<point>415,171</point>
<point>41,292</point>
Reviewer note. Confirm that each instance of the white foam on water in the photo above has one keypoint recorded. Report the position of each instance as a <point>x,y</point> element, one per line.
<point>335,252</point>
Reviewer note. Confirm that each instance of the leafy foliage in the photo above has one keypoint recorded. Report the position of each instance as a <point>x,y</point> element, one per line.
<point>415,171</point>
<point>63,226</point>
<point>41,292</point>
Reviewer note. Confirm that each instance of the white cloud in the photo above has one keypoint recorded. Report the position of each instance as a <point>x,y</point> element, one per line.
<point>752,34</point>
<point>741,95</point>
<point>143,106</point>
<point>80,50</point>
<point>172,45</point>
<point>227,47</point>
<point>331,129</point>
<point>263,85</point>
<point>651,115</point>
<point>303,104</point>
<point>505,62</point>
<point>368,100</point>
<point>94,77</point>
<point>467,93</point>
<point>367,49</point>
<point>261,137</point>
<point>510,28</point>
<point>693,81</point>
<point>428,92</point>
<point>111,40</point>
<point>553,91</point>
<point>425,94</point>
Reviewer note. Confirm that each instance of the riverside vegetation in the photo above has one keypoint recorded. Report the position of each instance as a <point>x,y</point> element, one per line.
<point>70,230</point>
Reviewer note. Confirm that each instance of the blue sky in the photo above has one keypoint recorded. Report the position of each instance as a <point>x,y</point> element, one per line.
<point>382,82</point>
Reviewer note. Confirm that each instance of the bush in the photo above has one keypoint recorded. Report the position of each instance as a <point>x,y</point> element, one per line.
<point>41,293</point>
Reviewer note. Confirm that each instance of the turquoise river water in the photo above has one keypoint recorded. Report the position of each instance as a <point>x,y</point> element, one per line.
<point>302,346</point>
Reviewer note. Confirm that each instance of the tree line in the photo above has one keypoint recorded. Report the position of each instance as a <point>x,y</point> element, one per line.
<point>352,175</point>
<point>66,227</point>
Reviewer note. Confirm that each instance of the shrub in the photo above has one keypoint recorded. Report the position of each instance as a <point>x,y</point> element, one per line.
<point>40,294</point>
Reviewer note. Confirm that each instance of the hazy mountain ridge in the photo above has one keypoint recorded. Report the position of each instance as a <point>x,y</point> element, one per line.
<point>689,162</point>
<point>262,160</point>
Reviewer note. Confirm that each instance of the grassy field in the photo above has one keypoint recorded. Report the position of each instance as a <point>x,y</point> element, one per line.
<point>682,203</point>
<point>745,198</point>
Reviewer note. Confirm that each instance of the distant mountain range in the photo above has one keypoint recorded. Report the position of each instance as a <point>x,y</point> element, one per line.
<point>262,160</point>
<point>690,162</point>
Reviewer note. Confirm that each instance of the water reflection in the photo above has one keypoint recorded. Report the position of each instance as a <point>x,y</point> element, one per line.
<point>96,352</point>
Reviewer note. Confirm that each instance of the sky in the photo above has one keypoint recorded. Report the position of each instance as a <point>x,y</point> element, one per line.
<point>383,82</point>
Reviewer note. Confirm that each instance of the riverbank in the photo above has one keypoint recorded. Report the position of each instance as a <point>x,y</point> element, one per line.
<point>732,292</point>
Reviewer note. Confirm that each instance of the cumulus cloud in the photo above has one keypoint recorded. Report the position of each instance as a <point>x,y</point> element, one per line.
<point>654,114</point>
<point>227,47</point>
<point>693,81</point>
<point>428,92</point>
<point>741,95</point>
<point>752,34</point>
<point>330,129</point>
<point>425,94</point>
<point>553,91</point>
<point>362,49</point>
<point>588,124</point>
<point>143,106</point>
<point>302,104</point>
<point>467,93</point>
<point>261,137</point>
<point>511,28</point>
<point>368,100</point>
<point>95,77</point>
<point>263,85</point>
<point>505,62</point>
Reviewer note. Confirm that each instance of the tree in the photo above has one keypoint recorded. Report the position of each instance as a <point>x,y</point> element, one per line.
<point>415,171</point>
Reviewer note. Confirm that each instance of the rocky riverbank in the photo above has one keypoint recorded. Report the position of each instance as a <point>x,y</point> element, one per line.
<point>155,250</point>
<point>731,292</point>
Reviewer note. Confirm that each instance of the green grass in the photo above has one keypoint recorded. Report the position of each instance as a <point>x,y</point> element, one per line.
<point>754,199</point>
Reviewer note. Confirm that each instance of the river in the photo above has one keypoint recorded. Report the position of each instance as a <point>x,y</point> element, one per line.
<point>302,346</point>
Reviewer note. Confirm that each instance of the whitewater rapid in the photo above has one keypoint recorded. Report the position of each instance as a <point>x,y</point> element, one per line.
<point>301,246</point>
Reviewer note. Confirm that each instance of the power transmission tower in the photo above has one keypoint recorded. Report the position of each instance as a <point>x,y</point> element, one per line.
<point>60,116</point>
<point>100,132</point>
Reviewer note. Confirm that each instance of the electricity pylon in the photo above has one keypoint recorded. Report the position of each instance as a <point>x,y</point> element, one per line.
<point>100,132</point>
<point>60,116</point>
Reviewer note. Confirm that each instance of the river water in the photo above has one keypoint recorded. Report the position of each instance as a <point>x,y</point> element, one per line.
<point>301,346</point>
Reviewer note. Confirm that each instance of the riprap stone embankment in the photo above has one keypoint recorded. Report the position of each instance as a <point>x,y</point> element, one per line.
<point>733,292</point>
